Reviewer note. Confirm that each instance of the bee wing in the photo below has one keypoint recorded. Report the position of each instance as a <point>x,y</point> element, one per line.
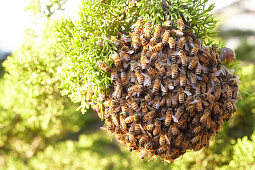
<point>194,101</point>
<point>167,140</point>
<point>164,90</point>
<point>175,119</point>
<point>147,80</point>
<point>187,92</point>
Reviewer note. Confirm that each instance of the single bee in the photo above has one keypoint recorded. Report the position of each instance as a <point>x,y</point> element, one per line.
<point>144,62</point>
<point>166,37</point>
<point>146,118</point>
<point>147,80</point>
<point>215,81</point>
<point>124,56</point>
<point>160,68</point>
<point>181,95</point>
<point>195,49</point>
<point>167,24</point>
<point>163,89</point>
<point>205,116</point>
<point>155,88</point>
<point>148,99</point>
<point>157,128</point>
<point>157,31</point>
<point>192,78</point>
<point>132,103</point>
<point>156,102</point>
<point>168,101</point>
<point>203,87</point>
<point>174,71</point>
<point>123,77</point>
<point>149,126</point>
<point>177,33</point>
<point>115,119</point>
<point>229,105</point>
<point>183,59</point>
<point>195,139</point>
<point>181,43</point>
<point>157,47</point>
<point>198,69</point>
<point>228,90</point>
<point>147,30</point>
<point>117,92</point>
<point>131,136</point>
<point>217,92</point>
<point>197,129</point>
<point>132,90</point>
<point>214,55</point>
<point>116,59</point>
<point>139,75</point>
<point>139,26</point>
<point>171,43</point>
<point>114,74</point>
<point>181,24</point>
<point>136,44</point>
<point>162,149</point>
<point>193,63</point>
<point>192,110</point>
<point>152,72</point>
<point>162,139</point>
<point>130,119</point>
<point>124,107</point>
<point>174,130</point>
<point>123,124</point>
<point>119,136</point>
<point>168,117</point>
<point>198,89</point>
<point>143,140</point>
<point>144,107</point>
<point>179,139</point>
<point>103,66</point>
<point>199,104</point>
<point>178,114</point>
<point>154,57</point>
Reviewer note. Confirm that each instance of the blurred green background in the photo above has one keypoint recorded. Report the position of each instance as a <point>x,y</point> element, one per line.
<point>41,129</point>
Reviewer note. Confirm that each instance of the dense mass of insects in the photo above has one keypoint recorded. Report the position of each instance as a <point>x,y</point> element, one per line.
<point>169,93</point>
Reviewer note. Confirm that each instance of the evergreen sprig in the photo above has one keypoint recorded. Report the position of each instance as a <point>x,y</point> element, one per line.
<point>88,40</point>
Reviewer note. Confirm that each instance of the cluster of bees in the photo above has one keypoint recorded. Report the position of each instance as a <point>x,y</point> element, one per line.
<point>169,93</point>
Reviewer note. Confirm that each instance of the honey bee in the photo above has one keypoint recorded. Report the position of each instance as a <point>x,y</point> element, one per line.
<point>178,114</point>
<point>150,126</point>
<point>168,117</point>
<point>157,128</point>
<point>181,95</point>
<point>192,78</point>
<point>149,145</point>
<point>152,72</point>
<point>131,136</point>
<point>174,71</point>
<point>130,119</point>
<point>124,107</point>
<point>162,139</point>
<point>157,31</point>
<point>157,47</point>
<point>229,105</point>
<point>203,87</point>
<point>116,59</point>
<point>115,119</point>
<point>147,80</point>
<point>132,103</point>
<point>154,57</point>
<point>162,149</point>
<point>193,63</point>
<point>205,116</point>
<point>160,68</point>
<point>217,92</point>
<point>181,24</point>
<point>167,24</point>
<point>144,62</point>
<point>124,56</point>
<point>123,77</point>
<point>195,139</point>
<point>228,90</point>
<point>144,107</point>
<point>166,36</point>
<point>103,66</point>
<point>117,92</point>
<point>147,30</point>
<point>181,43</point>
<point>123,124</point>
<point>136,41</point>
<point>171,43</point>
<point>114,74</point>
<point>155,88</point>
<point>183,59</point>
<point>139,26</point>
<point>139,75</point>
<point>192,110</point>
<point>214,55</point>
<point>199,104</point>
<point>143,140</point>
<point>215,81</point>
<point>198,89</point>
<point>195,49</point>
<point>177,33</point>
<point>119,136</point>
<point>174,130</point>
<point>164,90</point>
<point>146,118</point>
<point>179,139</point>
<point>156,102</point>
<point>109,124</point>
<point>168,102</point>
<point>197,129</point>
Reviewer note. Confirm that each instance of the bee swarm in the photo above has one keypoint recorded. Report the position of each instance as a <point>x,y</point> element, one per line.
<point>169,93</point>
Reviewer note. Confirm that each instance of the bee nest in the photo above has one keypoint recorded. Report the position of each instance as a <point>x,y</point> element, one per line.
<point>169,93</point>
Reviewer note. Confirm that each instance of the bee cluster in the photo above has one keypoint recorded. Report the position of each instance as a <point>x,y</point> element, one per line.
<point>169,93</point>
